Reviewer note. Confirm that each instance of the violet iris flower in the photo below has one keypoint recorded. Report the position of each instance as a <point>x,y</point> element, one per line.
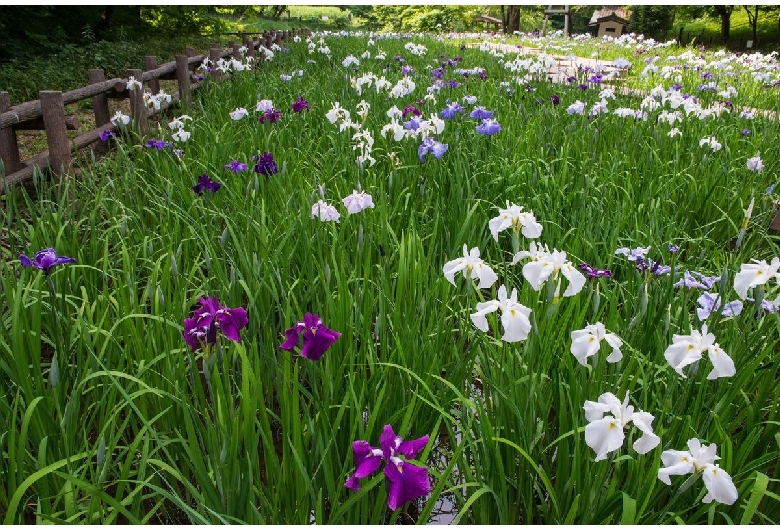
<point>316,337</point>
<point>406,481</point>
<point>431,145</point>
<point>157,144</point>
<point>481,113</point>
<point>412,125</point>
<point>265,164</point>
<point>300,104</point>
<point>711,302</point>
<point>489,127</point>
<point>202,328</point>
<point>205,183</point>
<point>271,115</point>
<point>593,272</point>
<point>45,259</point>
<point>451,83</point>
<point>105,135</point>
<point>555,99</point>
<point>689,281</point>
<point>235,166</point>
<point>453,108</point>
<point>407,70</point>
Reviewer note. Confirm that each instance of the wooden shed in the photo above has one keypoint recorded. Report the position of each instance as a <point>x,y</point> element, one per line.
<point>610,20</point>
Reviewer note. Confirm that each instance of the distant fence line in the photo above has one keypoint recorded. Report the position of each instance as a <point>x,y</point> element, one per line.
<point>48,112</point>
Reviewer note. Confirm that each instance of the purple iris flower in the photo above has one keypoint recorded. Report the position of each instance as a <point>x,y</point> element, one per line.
<point>399,59</point>
<point>407,70</point>
<point>711,302</point>
<point>205,183</point>
<point>157,144</point>
<point>489,127</point>
<point>451,83</point>
<point>481,113</point>
<point>202,327</point>
<point>411,109</point>
<point>271,115</point>
<point>744,132</point>
<point>582,86</point>
<point>707,75</point>
<point>593,272</point>
<point>451,110</point>
<point>406,481</point>
<point>483,75</point>
<point>197,77</point>
<point>695,280</point>
<point>431,145</point>
<point>45,259</point>
<point>673,248</point>
<point>235,166</point>
<point>555,99</point>
<point>655,267</point>
<point>412,125</point>
<point>105,135</point>
<point>299,105</point>
<point>677,86</point>
<point>438,73</point>
<point>316,337</point>
<point>571,79</point>
<point>596,78</point>
<point>265,164</point>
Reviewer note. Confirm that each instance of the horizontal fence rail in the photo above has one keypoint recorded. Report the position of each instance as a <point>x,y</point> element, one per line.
<point>48,111</point>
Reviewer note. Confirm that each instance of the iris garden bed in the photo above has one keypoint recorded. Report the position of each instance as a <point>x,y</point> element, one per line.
<point>147,382</point>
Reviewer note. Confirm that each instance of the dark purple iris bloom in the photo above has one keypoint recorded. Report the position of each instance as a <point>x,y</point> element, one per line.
<point>582,86</point>
<point>483,75</point>
<point>407,70</point>
<point>300,104</point>
<point>481,113</point>
<point>399,59</point>
<point>197,77</point>
<point>105,135</point>
<point>451,83</point>
<point>555,99</point>
<point>271,115</point>
<point>593,272</point>
<point>157,144</point>
<point>655,267</point>
<point>744,132</point>
<point>438,73</point>
<point>596,78</point>
<point>451,110</point>
<point>431,145</point>
<point>235,166</point>
<point>316,337</point>
<point>406,481</point>
<point>571,79</point>
<point>677,86</point>
<point>202,327</point>
<point>45,259</point>
<point>411,109</point>
<point>205,183</point>
<point>265,164</point>
<point>707,75</point>
<point>489,127</point>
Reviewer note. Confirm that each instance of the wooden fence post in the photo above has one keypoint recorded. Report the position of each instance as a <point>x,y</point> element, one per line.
<point>53,110</point>
<point>150,63</point>
<point>249,42</point>
<point>183,77</point>
<point>9,149</point>
<point>189,51</point>
<point>214,56</point>
<point>237,55</point>
<point>99,102</point>
<point>137,105</point>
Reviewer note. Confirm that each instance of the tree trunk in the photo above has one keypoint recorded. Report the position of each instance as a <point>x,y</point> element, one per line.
<point>725,21</point>
<point>512,19</point>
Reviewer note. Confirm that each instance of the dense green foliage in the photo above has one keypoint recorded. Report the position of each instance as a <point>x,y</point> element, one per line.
<point>108,416</point>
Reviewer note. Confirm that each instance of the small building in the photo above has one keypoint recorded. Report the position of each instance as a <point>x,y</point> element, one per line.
<point>609,20</point>
<point>496,22</point>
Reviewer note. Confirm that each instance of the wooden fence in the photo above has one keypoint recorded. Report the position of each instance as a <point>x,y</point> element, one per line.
<point>48,112</point>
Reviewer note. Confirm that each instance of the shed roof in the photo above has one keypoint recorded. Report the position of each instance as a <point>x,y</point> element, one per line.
<point>610,13</point>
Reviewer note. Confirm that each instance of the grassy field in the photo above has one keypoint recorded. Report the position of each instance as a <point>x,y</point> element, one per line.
<point>242,336</point>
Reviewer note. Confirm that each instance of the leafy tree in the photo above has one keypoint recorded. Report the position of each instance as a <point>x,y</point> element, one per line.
<point>652,20</point>
<point>724,12</point>
<point>753,19</point>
